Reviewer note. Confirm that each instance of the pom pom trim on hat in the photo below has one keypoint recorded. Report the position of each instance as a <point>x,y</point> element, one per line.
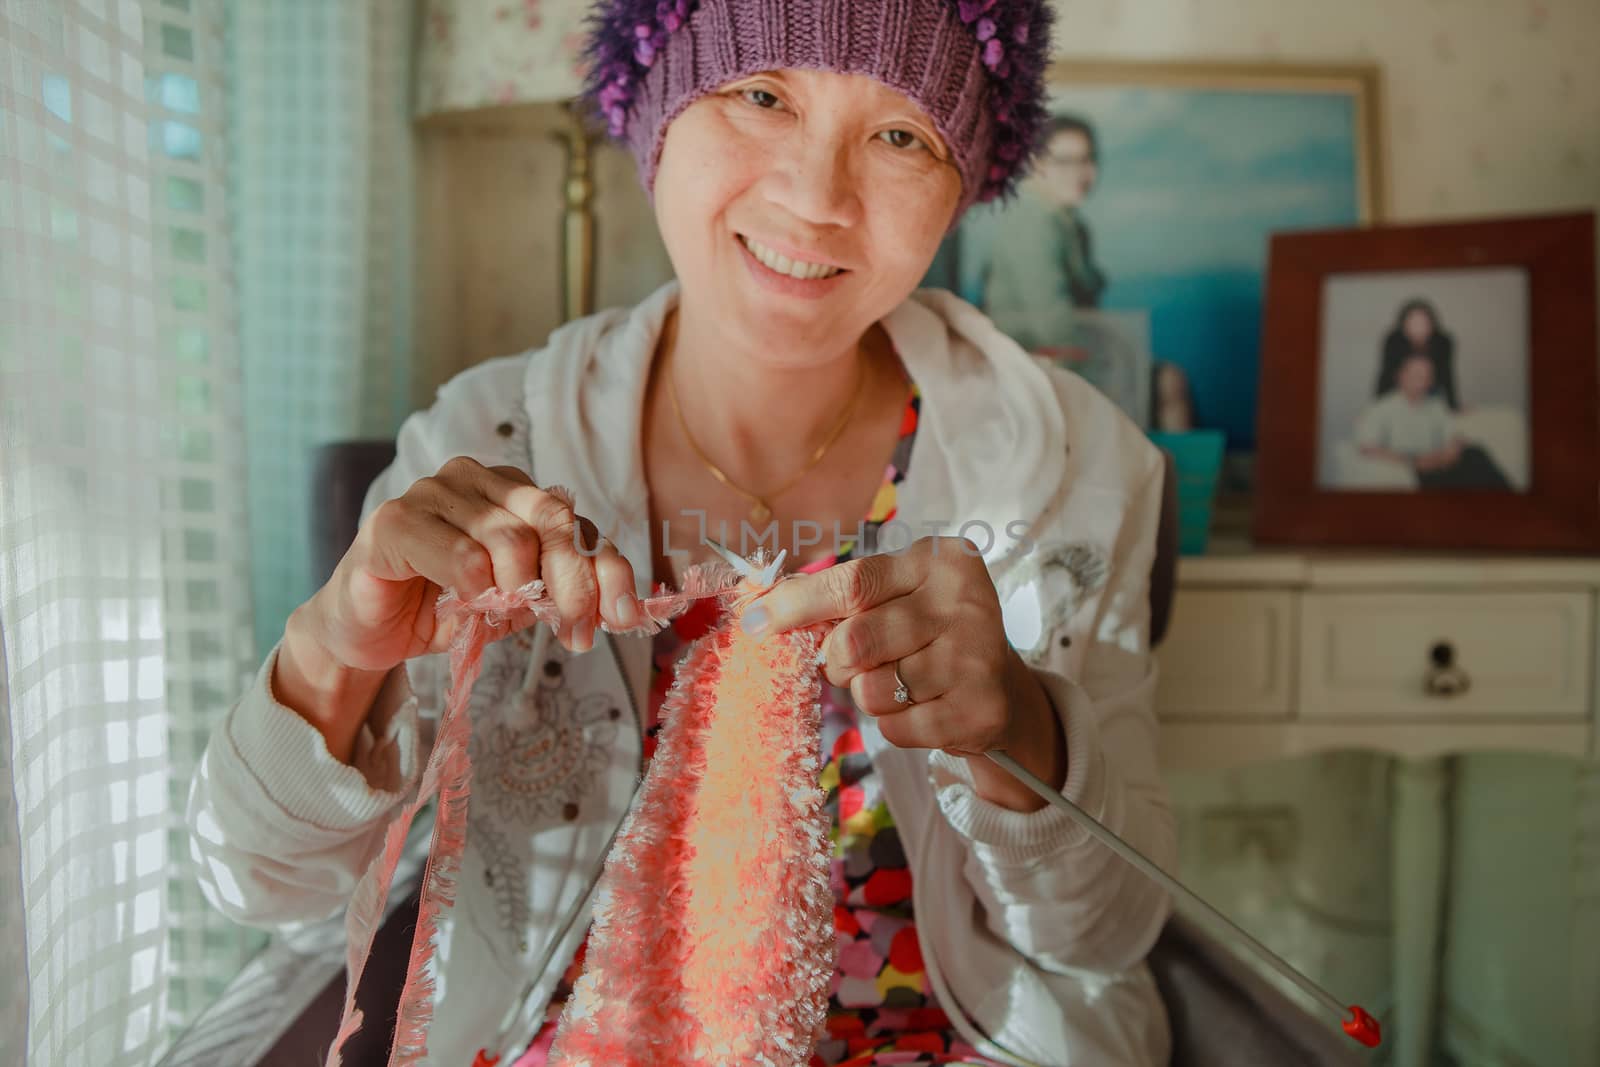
<point>1016,51</point>
<point>626,36</point>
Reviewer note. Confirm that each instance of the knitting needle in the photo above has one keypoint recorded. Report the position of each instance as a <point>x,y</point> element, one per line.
<point>1363,1027</point>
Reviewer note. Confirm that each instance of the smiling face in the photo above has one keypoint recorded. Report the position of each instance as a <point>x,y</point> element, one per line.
<point>802,207</point>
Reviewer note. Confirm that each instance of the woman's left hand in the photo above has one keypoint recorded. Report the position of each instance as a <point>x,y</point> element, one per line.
<point>932,613</point>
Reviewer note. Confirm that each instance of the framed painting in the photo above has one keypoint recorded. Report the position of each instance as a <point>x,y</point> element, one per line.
<point>1156,193</point>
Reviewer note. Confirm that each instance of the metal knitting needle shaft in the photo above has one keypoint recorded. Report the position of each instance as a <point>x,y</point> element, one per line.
<point>1363,1027</point>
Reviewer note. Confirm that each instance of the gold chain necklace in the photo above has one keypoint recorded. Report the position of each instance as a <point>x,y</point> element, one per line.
<point>760,510</point>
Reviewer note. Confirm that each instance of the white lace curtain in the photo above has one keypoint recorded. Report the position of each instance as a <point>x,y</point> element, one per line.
<point>191,193</point>
<point>124,582</point>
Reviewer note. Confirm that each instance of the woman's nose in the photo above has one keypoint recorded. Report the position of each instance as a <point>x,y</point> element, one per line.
<point>816,183</point>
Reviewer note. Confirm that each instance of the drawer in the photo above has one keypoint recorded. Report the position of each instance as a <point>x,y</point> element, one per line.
<point>1228,653</point>
<point>1371,654</point>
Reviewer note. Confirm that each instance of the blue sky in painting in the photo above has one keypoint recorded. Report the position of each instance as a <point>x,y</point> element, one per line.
<point>1192,182</point>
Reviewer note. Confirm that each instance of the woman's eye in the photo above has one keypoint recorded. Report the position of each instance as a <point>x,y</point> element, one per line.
<point>761,98</point>
<point>902,138</point>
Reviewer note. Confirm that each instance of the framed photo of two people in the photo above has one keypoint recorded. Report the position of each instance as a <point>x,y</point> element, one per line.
<point>1432,386</point>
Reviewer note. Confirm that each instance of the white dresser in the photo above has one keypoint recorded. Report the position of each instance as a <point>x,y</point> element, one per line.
<point>1275,653</point>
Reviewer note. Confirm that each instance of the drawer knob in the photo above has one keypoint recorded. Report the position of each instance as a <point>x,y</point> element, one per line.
<point>1443,677</point>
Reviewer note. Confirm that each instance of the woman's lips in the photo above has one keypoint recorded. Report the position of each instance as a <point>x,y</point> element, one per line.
<point>778,282</point>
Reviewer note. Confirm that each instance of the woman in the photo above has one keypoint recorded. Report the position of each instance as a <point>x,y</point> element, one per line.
<point>1416,332</point>
<point>804,163</point>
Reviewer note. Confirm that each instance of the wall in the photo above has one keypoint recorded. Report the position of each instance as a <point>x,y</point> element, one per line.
<point>490,190</point>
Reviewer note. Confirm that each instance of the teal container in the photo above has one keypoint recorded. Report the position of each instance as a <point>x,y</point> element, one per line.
<point>1198,459</point>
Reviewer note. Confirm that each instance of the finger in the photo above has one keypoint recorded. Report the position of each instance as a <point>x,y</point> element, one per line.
<point>458,497</point>
<point>840,591</point>
<point>619,600</point>
<point>444,630</point>
<point>514,546</point>
<point>926,674</point>
<point>568,574</point>
<point>940,724</point>
<point>919,726</point>
<point>876,636</point>
<point>613,574</point>
<point>409,540</point>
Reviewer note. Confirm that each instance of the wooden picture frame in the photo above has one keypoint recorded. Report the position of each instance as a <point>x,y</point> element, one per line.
<point>1545,499</point>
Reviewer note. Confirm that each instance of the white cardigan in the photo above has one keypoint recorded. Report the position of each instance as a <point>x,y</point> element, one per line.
<point>1033,935</point>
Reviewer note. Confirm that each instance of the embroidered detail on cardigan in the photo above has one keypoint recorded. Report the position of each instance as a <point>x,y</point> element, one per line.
<point>534,769</point>
<point>1065,575</point>
<point>505,873</point>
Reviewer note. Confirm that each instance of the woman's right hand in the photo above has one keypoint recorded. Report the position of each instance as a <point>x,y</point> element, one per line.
<point>468,528</point>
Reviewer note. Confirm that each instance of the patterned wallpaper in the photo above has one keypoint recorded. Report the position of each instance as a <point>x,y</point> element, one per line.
<point>480,53</point>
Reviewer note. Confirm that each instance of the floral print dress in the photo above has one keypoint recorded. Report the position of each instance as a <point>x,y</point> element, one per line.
<point>880,1009</point>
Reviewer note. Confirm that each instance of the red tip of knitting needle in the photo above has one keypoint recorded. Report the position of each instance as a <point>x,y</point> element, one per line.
<point>1364,1028</point>
<point>483,1059</point>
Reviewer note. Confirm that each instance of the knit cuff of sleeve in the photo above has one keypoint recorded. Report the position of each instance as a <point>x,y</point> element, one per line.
<point>1003,837</point>
<point>290,760</point>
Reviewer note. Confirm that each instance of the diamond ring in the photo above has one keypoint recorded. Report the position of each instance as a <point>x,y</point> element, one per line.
<point>902,695</point>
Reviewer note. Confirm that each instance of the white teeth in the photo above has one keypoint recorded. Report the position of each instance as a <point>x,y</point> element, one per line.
<point>784,265</point>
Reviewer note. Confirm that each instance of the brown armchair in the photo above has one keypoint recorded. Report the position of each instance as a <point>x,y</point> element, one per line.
<point>1223,1014</point>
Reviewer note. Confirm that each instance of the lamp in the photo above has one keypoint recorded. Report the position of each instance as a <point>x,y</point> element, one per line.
<point>478,54</point>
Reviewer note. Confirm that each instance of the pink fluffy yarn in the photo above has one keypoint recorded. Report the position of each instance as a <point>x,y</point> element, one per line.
<point>713,939</point>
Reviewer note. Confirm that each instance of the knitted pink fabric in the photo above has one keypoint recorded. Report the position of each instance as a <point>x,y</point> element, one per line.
<point>713,939</point>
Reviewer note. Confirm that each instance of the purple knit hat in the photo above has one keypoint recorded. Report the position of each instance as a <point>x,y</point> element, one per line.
<point>975,66</point>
